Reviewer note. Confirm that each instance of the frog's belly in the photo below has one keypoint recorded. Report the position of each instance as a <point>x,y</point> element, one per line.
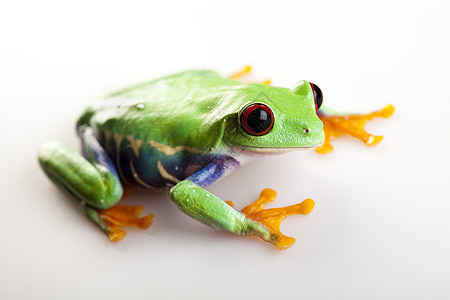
<point>145,166</point>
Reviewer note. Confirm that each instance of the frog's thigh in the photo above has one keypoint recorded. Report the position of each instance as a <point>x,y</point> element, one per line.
<point>92,184</point>
<point>78,178</point>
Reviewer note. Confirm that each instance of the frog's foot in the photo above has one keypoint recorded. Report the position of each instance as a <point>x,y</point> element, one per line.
<point>123,215</point>
<point>335,125</point>
<point>230,203</point>
<point>245,71</point>
<point>241,73</point>
<point>271,218</point>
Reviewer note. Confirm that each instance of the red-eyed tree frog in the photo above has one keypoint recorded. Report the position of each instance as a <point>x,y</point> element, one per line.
<point>184,132</point>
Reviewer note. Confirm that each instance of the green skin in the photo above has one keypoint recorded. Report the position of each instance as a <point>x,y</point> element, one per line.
<point>180,132</point>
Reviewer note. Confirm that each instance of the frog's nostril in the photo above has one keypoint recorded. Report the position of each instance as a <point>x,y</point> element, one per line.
<point>305,130</point>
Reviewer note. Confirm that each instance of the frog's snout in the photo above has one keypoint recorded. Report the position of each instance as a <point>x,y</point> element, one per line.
<point>312,135</point>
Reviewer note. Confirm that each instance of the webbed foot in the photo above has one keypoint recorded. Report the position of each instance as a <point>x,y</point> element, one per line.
<point>271,218</point>
<point>335,125</point>
<point>245,71</point>
<point>123,215</point>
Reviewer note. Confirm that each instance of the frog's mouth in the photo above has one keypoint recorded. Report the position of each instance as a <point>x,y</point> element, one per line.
<point>275,150</point>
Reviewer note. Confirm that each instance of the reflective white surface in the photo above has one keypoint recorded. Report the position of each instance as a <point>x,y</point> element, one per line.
<point>380,228</point>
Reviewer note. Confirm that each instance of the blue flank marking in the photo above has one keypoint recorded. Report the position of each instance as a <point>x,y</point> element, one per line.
<point>89,141</point>
<point>181,165</point>
<point>203,169</point>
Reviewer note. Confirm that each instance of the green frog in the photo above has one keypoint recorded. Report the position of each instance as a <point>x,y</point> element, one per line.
<point>184,132</point>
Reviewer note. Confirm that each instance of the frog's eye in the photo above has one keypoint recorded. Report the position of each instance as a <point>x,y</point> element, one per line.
<point>256,119</point>
<point>318,96</point>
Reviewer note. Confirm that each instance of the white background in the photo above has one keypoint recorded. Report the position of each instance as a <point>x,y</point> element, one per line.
<point>380,228</point>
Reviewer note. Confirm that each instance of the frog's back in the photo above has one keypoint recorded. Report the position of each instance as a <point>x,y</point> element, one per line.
<point>153,109</point>
<point>159,132</point>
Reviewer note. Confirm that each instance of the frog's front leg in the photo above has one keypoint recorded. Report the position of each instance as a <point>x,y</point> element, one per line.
<point>205,207</point>
<point>92,182</point>
<point>336,124</point>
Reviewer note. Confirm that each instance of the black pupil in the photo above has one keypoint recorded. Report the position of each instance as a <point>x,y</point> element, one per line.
<point>259,120</point>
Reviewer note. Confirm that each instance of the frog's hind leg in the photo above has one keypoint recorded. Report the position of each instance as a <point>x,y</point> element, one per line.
<point>244,72</point>
<point>337,124</point>
<point>92,182</point>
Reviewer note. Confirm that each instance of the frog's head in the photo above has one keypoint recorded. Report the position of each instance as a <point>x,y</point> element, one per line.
<point>273,119</point>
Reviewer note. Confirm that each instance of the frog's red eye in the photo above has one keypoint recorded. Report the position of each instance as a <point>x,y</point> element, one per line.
<point>256,119</point>
<point>318,96</point>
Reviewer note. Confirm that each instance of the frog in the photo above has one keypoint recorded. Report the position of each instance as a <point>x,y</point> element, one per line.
<point>185,131</point>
